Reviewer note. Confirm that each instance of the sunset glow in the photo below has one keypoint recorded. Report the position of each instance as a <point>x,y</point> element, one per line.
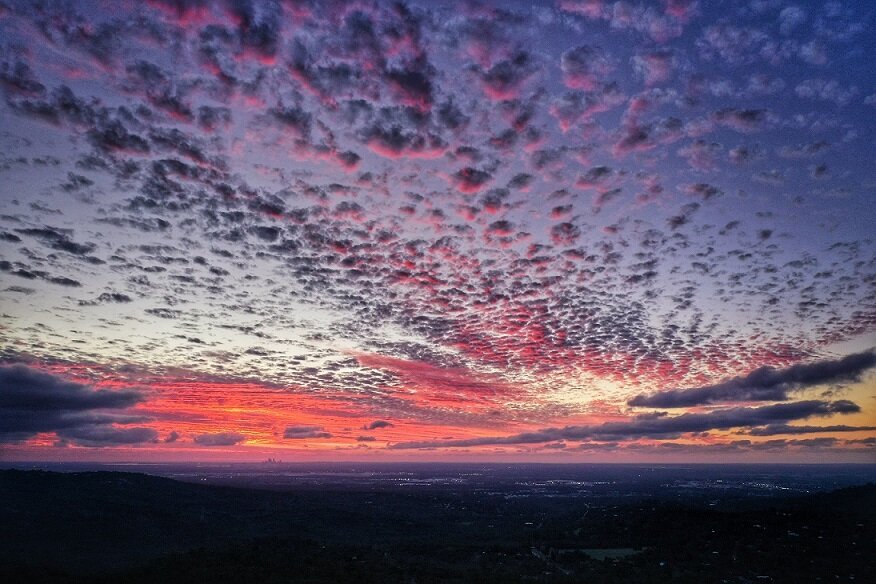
<point>521,231</point>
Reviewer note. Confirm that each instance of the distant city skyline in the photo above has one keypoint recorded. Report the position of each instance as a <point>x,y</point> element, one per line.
<point>562,231</point>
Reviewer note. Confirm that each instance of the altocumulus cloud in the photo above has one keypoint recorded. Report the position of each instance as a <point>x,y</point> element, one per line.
<point>524,195</point>
<point>32,402</point>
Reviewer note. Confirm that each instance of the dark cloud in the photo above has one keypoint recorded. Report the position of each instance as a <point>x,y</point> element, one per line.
<point>167,313</point>
<point>520,181</point>
<point>219,439</point>
<point>777,429</point>
<point>377,424</point>
<point>471,180</point>
<point>113,137</point>
<point>76,182</point>
<point>742,120</point>
<point>183,144</point>
<point>565,233</point>
<point>212,118</point>
<point>659,426</point>
<point>58,241</point>
<point>636,136</point>
<point>765,383</point>
<point>584,67</point>
<point>22,271</point>
<point>64,281</point>
<point>414,83</point>
<point>301,432</point>
<point>451,116</point>
<point>32,402</point>
<point>292,118</point>
<point>394,141</point>
<point>103,435</point>
<point>703,190</point>
<point>266,233</point>
<point>107,297</point>
<point>258,28</point>
<point>114,297</point>
<point>505,79</point>
<point>17,79</point>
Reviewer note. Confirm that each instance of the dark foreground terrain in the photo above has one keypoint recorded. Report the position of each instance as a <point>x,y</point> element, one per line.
<point>101,527</point>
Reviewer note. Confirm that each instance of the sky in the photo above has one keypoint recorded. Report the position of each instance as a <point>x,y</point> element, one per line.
<point>555,231</point>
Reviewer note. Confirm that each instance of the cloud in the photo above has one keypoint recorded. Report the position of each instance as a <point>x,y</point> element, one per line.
<point>18,79</point>
<point>219,439</point>
<point>201,164</point>
<point>734,447</point>
<point>393,141</point>
<point>644,19</point>
<point>471,180</point>
<point>764,384</point>
<point>294,119</point>
<point>565,233</point>
<point>300,432</point>
<point>103,435</point>
<point>167,313</point>
<point>446,387</point>
<point>654,66</point>
<point>791,18</point>
<point>377,424</point>
<point>505,79</point>
<point>641,137</point>
<point>581,106</point>
<point>826,90</point>
<point>413,84</point>
<point>33,402</point>
<point>107,297</point>
<point>782,444</point>
<point>775,429</point>
<point>58,241</point>
<point>584,66</point>
<point>659,426</point>
<point>745,121</point>
<point>734,44</point>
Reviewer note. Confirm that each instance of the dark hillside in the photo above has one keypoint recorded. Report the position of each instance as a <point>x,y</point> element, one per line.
<point>109,527</point>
